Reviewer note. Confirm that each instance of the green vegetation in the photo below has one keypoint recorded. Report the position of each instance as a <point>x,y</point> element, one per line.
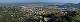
<point>77,17</point>
<point>15,15</point>
<point>10,15</point>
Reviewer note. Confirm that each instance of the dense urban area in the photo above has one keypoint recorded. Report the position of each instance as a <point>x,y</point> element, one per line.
<point>39,12</point>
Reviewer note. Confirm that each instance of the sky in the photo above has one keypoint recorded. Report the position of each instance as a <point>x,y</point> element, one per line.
<point>49,1</point>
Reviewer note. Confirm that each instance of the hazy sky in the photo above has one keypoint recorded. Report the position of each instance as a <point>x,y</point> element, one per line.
<point>50,1</point>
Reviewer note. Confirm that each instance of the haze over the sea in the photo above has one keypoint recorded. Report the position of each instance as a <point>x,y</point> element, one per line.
<point>49,1</point>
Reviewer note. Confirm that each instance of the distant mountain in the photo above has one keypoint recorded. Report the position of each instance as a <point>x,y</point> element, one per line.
<point>60,5</point>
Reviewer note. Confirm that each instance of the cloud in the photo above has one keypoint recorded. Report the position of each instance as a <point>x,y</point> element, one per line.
<point>50,1</point>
